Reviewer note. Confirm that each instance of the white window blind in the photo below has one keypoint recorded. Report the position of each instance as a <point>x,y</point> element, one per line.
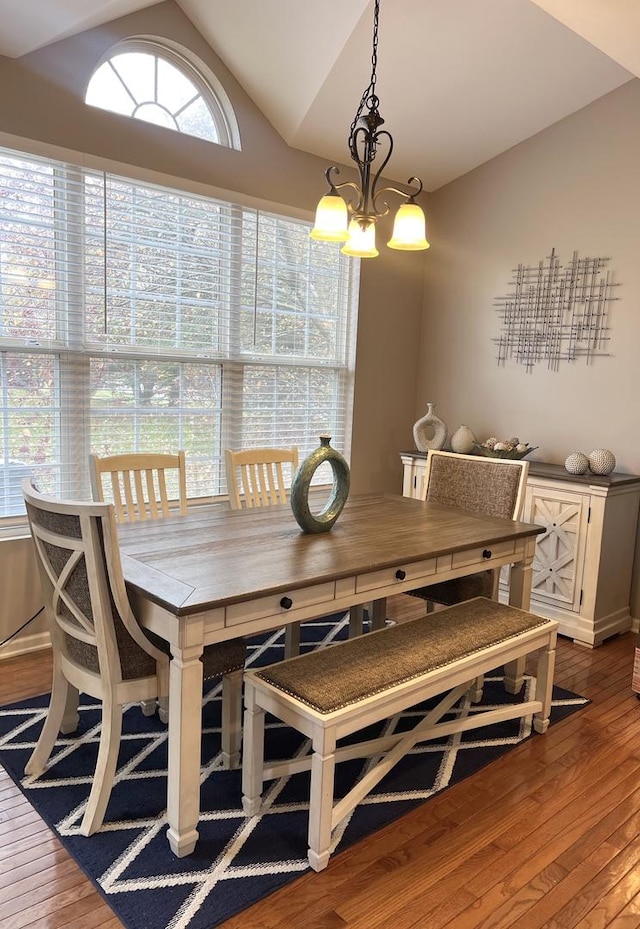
<point>140,318</point>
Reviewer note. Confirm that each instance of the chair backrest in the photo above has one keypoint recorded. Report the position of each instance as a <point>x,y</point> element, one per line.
<point>138,484</point>
<point>490,486</point>
<point>90,619</point>
<point>256,476</point>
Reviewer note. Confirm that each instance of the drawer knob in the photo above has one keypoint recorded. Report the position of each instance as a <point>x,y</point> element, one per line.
<point>400,574</point>
<point>486,553</point>
<point>286,603</point>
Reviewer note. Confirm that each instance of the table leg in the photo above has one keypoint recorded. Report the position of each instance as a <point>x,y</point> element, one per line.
<point>185,734</point>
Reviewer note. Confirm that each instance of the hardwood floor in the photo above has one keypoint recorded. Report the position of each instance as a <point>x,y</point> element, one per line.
<point>547,836</point>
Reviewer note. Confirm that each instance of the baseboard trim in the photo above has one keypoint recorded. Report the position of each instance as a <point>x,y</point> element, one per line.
<point>24,644</point>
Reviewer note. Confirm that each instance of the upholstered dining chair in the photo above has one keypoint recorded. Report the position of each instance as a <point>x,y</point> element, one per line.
<point>98,646</point>
<point>137,484</point>
<point>258,477</point>
<point>489,486</point>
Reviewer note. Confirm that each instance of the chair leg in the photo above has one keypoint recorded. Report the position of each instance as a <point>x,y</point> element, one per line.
<point>231,718</point>
<point>62,716</point>
<point>475,693</point>
<point>356,621</point>
<point>148,707</point>
<point>292,640</point>
<point>378,614</point>
<point>253,755</point>
<point>162,671</point>
<point>163,709</point>
<point>70,717</point>
<point>105,767</point>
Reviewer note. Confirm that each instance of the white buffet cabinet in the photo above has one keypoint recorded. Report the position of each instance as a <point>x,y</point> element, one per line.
<point>584,561</point>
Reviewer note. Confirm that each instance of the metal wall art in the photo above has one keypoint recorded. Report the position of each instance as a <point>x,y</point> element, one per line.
<point>555,313</point>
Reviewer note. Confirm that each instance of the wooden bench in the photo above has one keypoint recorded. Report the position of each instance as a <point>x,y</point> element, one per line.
<point>330,693</point>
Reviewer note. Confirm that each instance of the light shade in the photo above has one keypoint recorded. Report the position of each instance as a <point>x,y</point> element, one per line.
<point>331,219</point>
<point>409,229</point>
<point>362,240</point>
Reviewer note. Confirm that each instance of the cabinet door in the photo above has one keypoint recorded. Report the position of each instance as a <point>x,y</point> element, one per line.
<point>559,560</point>
<point>413,476</point>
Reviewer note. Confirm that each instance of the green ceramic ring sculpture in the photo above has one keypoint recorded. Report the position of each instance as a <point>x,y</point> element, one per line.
<point>325,519</point>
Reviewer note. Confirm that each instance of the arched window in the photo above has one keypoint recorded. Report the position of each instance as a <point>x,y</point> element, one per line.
<point>161,84</point>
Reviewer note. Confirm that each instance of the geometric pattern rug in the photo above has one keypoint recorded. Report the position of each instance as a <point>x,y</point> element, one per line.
<point>238,859</point>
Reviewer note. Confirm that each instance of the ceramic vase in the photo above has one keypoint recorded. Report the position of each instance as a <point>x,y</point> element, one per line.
<point>463,440</point>
<point>429,431</point>
<point>324,520</point>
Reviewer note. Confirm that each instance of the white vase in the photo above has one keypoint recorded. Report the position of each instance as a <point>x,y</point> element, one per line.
<point>429,431</point>
<point>463,440</point>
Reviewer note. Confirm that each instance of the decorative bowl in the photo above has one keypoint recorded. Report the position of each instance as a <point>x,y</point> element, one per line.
<point>503,453</point>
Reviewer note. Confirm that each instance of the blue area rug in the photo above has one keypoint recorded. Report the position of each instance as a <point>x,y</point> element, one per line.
<point>238,860</point>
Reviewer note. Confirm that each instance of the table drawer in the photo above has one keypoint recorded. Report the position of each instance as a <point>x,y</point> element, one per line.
<point>477,556</point>
<point>411,573</point>
<point>272,606</point>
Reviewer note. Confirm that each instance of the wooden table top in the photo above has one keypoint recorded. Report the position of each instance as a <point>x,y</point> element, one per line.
<point>214,557</point>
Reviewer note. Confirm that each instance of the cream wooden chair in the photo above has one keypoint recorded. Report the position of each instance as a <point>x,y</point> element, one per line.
<point>256,477</point>
<point>490,486</point>
<point>98,646</point>
<point>137,484</point>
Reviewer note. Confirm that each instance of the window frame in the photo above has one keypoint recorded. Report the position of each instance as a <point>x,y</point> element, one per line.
<point>74,354</point>
<point>195,70</point>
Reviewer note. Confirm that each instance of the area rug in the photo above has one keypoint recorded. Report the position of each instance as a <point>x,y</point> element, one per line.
<point>238,859</point>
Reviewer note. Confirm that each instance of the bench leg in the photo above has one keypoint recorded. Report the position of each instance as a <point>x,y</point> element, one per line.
<point>544,684</point>
<point>253,754</point>
<point>323,764</point>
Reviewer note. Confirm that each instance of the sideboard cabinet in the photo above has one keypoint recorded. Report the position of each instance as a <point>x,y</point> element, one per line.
<point>583,565</point>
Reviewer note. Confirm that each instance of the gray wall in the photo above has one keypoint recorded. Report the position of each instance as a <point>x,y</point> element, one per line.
<point>575,186</point>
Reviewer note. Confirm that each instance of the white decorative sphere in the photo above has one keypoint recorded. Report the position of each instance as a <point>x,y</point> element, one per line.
<point>577,463</point>
<point>601,461</point>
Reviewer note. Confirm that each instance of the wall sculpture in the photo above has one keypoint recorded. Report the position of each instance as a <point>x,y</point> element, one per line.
<point>555,313</point>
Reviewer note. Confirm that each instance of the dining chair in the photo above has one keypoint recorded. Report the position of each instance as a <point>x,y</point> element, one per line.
<point>137,484</point>
<point>488,486</point>
<point>98,646</point>
<point>257,477</point>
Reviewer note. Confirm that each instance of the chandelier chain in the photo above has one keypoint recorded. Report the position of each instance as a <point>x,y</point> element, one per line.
<point>369,92</point>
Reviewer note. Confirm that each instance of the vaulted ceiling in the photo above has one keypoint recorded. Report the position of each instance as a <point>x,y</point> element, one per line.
<point>459,81</point>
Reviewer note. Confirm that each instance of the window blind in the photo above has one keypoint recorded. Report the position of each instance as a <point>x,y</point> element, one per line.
<point>135,317</point>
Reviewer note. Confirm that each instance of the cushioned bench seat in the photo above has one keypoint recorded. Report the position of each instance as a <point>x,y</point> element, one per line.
<point>333,692</point>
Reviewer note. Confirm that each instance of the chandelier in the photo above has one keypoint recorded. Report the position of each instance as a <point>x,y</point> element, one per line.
<point>352,219</point>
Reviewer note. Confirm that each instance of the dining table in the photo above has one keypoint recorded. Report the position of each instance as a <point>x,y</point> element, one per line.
<point>217,574</point>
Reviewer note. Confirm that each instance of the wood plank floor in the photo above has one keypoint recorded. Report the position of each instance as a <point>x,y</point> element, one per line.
<point>547,836</point>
